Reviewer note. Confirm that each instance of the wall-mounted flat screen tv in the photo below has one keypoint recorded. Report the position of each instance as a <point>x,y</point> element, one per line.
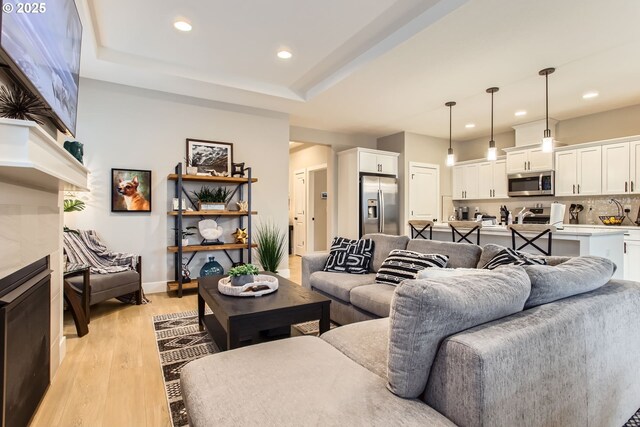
<point>41,44</point>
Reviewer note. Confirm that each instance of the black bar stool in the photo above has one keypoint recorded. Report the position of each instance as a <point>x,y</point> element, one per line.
<point>420,226</point>
<point>540,229</point>
<point>472,226</point>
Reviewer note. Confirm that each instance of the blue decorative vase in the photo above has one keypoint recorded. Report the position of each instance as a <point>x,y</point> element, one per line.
<point>211,268</point>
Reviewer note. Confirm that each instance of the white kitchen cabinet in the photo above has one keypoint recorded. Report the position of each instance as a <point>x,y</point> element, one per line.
<point>631,257</point>
<point>372,162</point>
<point>529,160</point>
<point>465,182</point>
<point>492,180</point>
<point>566,172</point>
<point>589,171</point>
<point>634,148</point>
<point>615,168</point>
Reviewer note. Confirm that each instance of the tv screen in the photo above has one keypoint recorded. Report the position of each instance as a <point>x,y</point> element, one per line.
<point>41,44</point>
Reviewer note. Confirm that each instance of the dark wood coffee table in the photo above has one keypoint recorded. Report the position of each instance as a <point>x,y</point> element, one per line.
<point>241,321</point>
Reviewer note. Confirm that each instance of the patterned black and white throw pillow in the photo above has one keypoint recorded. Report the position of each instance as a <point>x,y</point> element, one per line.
<point>350,256</point>
<point>402,264</point>
<point>509,256</point>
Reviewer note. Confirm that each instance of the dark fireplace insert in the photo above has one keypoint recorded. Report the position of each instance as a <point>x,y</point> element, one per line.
<point>25,317</point>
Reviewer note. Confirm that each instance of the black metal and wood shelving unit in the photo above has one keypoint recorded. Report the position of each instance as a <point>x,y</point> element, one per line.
<point>242,189</point>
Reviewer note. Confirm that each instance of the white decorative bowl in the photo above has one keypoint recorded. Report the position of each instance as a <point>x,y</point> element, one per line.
<point>225,287</point>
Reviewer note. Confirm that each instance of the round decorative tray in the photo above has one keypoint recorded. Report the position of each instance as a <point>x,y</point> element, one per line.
<point>250,289</point>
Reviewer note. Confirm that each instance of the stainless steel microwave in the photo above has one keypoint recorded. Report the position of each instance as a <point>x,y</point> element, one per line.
<point>532,184</point>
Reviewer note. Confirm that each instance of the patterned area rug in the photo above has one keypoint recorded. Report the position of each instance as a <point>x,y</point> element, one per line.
<point>180,342</point>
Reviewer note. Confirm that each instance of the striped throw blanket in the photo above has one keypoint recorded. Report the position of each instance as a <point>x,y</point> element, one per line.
<point>85,247</point>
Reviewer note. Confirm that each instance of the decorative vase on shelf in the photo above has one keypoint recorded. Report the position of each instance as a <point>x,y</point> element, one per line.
<point>185,242</point>
<point>211,268</point>
<point>242,280</point>
<point>191,170</point>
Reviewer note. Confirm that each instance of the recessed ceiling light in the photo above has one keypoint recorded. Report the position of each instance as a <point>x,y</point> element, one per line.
<point>182,25</point>
<point>521,113</point>
<point>470,125</point>
<point>590,95</point>
<point>284,54</point>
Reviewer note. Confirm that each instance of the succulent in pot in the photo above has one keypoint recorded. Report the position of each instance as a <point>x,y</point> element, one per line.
<point>212,199</point>
<point>243,274</point>
<point>191,168</point>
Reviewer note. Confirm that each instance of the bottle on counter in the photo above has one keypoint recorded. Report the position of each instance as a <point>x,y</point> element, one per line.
<point>510,218</point>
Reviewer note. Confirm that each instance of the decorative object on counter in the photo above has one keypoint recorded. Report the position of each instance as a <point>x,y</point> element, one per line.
<point>237,169</point>
<point>184,234</point>
<point>131,190</point>
<point>492,153</point>
<point>176,203</point>
<point>556,216</point>
<point>212,200</point>
<point>190,168</point>
<point>211,268</point>
<point>574,210</point>
<point>450,158</point>
<point>75,148</point>
<point>614,219</point>
<point>547,140</point>
<point>240,235</point>
<point>261,285</point>
<point>242,206</point>
<point>271,242</point>
<point>210,157</point>
<point>211,231</point>
<point>20,104</point>
<point>590,216</point>
<point>243,274</point>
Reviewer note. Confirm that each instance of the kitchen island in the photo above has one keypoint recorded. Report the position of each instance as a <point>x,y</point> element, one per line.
<point>604,242</point>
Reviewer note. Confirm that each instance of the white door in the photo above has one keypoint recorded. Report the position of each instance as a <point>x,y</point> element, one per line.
<point>539,161</point>
<point>516,161</point>
<point>388,164</point>
<point>471,182</point>
<point>299,219</point>
<point>635,166</point>
<point>631,257</point>
<point>566,173</point>
<point>589,161</point>
<point>615,168</point>
<point>424,191</point>
<point>369,162</point>
<point>458,182</point>
<point>500,184</point>
<point>485,180</point>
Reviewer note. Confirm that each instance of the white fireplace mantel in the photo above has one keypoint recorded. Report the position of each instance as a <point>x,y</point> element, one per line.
<point>30,157</point>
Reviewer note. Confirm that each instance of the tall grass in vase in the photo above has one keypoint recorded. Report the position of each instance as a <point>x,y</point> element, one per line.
<point>271,246</point>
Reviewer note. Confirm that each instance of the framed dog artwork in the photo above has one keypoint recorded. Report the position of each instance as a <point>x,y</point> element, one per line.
<point>210,157</point>
<point>130,190</point>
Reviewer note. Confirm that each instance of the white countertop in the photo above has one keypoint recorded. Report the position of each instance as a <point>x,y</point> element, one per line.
<point>589,230</point>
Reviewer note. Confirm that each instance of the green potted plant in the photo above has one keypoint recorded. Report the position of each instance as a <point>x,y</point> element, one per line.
<point>271,246</point>
<point>190,163</point>
<point>184,234</point>
<point>243,274</point>
<point>212,199</point>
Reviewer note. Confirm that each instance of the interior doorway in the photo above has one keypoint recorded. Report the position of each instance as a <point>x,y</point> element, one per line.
<point>318,212</point>
<point>299,212</point>
<point>424,191</point>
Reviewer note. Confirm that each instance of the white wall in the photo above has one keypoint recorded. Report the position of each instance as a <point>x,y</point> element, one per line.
<point>125,127</point>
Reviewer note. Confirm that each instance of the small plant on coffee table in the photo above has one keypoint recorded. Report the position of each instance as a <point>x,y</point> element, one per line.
<point>243,274</point>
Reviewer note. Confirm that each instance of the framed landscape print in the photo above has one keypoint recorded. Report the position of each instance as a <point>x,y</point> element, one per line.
<point>210,156</point>
<point>130,190</point>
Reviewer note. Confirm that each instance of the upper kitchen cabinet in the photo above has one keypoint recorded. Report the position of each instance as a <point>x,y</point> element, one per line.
<point>579,171</point>
<point>528,160</point>
<point>465,182</point>
<point>492,180</point>
<point>634,148</point>
<point>378,162</point>
<point>616,168</point>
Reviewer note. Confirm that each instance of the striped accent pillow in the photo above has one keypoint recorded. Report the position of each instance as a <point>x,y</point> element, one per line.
<point>402,264</point>
<point>509,256</point>
<point>350,256</point>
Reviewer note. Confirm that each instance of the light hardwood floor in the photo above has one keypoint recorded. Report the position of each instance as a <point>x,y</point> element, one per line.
<point>112,377</point>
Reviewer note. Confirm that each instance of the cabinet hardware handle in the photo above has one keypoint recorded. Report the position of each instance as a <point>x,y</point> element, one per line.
<point>625,247</point>
<point>574,189</point>
<point>632,186</point>
<point>578,188</point>
<point>626,186</point>
<point>525,165</point>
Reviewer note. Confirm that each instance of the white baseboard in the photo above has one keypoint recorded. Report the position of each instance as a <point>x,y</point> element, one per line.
<point>285,273</point>
<point>154,287</point>
<point>63,348</point>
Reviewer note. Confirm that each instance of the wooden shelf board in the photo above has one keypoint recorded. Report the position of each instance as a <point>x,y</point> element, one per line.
<point>220,179</point>
<point>173,286</point>
<point>198,248</point>
<point>212,213</point>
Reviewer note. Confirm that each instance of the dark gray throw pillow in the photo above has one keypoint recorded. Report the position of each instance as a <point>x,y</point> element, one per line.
<point>350,256</point>
<point>402,264</point>
<point>509,256</point>
<point>575,276</point>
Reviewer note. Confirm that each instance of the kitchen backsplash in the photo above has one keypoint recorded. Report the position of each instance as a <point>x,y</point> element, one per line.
<point>600,205</point>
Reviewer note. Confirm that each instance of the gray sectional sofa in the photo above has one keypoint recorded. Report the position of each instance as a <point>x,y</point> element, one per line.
<point>454,351</point>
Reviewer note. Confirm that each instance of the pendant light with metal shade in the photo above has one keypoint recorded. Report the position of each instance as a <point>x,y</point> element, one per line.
<point>547,140</point>
<point>492,153</point>
<point>450,159</point>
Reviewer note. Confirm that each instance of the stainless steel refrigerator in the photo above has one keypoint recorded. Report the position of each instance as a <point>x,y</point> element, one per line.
<point>379,205</point>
